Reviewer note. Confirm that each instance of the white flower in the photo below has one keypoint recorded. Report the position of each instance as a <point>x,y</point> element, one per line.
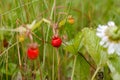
<point>110,37</point>
<point>22,28</point>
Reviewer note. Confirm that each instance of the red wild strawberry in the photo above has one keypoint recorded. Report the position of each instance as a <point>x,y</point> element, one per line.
<point>56,41</point>
<point>33,51</point>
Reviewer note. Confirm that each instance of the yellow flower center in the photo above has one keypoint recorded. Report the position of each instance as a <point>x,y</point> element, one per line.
<point>113,34</point>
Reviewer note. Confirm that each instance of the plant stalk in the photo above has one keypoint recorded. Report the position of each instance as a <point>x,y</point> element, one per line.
<point>53,67</point>
<point>74,67</point>
<point>51,15</point>
<point>93,77</point>
<point>58,59</point>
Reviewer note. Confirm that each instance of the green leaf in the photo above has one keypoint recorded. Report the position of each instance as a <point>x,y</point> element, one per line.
<point>75,44</point>
<point>11,69</point>
<point>115,61</point>
<point>114,72</point>
<point>91,43</point>
<point>106,72</point>
<point>82,69</point>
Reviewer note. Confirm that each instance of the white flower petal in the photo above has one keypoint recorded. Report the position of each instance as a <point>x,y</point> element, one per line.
<point>99,29</point>
<point>111,48</point>
<point>111,23</point>
<point>100,35</point>
<point>102,27</point>
<point>106,45</point>
<point>117,47</point>
<point>104,40</point>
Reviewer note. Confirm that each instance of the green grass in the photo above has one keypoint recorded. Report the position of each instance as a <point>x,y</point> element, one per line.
<point>13,13</point>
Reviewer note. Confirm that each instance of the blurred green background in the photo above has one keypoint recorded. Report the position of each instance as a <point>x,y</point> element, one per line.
<point>86,13</point>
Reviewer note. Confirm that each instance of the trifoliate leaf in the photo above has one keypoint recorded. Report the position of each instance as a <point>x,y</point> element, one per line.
<point>91,43</point>
<point>82,69</point>
<point>74,45</point>
<point>115,61</point>
<point>114,72</point>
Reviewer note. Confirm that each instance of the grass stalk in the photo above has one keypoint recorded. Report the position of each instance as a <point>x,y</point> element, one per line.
<point>58,64</point>
<point>53,66</point>
<point>20,64</point>
<point>75,59</point>
<point>6,65</point>
<point>48,29</point>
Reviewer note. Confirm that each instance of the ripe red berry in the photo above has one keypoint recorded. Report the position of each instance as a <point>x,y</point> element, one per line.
<point>56,41</point>
<point>32,52</point>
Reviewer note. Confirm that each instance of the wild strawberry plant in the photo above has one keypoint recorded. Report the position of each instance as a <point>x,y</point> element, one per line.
<point>59,40</point>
